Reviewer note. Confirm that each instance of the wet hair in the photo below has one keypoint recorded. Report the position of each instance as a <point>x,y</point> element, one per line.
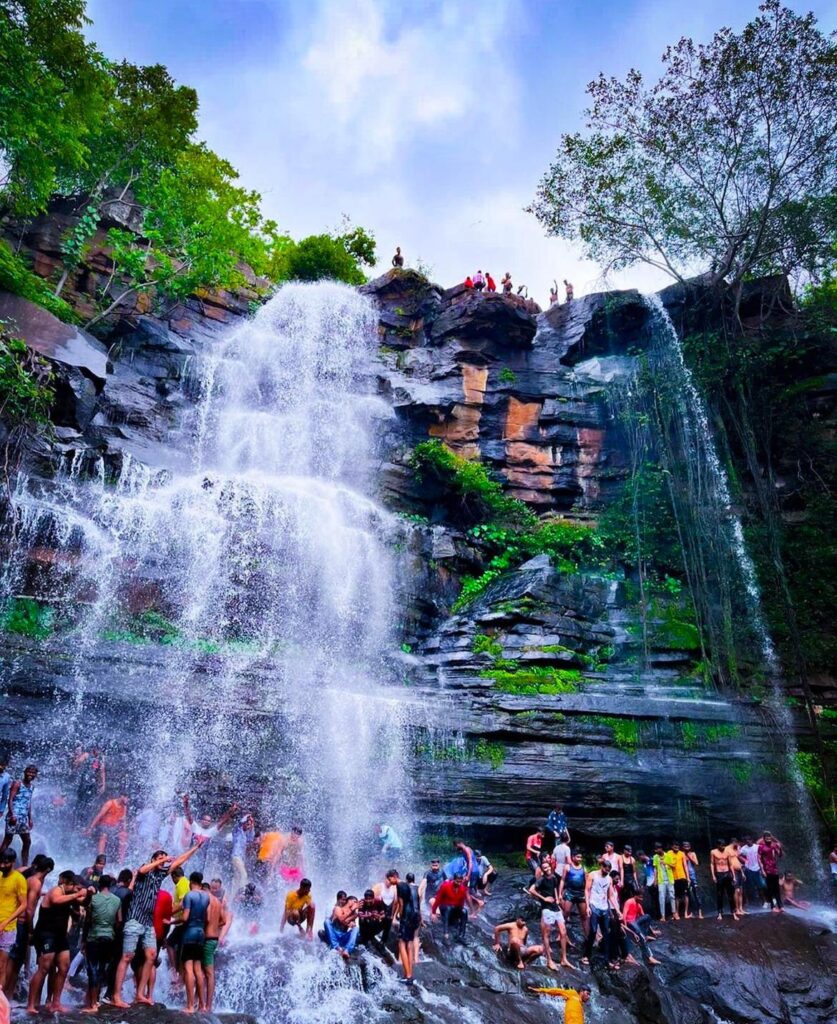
<point>158,853</point>
<point>369,894</point>
<point>100,859</point>
<point>305,883</point>
<point>297,831</point>
<point>196,878</point>
<point>409,877</point>
<point>30,768</point>
<point>8,856</point>
<point>205,886</point>
<point>67,878</point>
<point>125,876</point>
<point>106,881</point>
<point>40,863</point>
<point>342,894</point>
<point>177,872</point>
<point>392,873</point>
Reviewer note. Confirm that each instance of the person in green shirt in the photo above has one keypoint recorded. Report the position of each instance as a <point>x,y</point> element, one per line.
<point>664,863</point>
<point>103,917</point>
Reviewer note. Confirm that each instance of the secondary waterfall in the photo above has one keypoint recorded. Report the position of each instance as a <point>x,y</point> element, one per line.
<point>709,488</point>
<point>265,573</point>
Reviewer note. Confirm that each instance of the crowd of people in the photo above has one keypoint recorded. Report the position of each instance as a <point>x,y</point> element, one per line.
<point>174,907</point>
<point>480,281</point>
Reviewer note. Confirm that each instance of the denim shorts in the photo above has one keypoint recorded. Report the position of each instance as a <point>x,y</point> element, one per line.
<point>135,933</point>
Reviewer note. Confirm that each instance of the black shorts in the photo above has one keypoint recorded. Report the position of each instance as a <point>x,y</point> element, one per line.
<point>100,955</point>
<point>681,887</point>
<point>408,927</point>
<point>191,951</point>
<point>51,942</point>
<point>574,896</point>
<point>17,954</point>
<point>176,936</point>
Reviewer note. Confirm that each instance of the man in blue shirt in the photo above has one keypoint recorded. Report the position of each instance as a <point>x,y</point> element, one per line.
<point>556,823</point>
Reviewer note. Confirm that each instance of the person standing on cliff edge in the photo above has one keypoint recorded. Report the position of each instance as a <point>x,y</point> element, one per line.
<point>398,259</point>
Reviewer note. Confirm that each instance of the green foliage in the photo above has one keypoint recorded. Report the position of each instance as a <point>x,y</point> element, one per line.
<point>567,544</point>
<point>487,751</point>
<point>507,376</point>
<point>27,617</point>
<point>482,644</point>
<point>26,394</point>
<point>741,771</point>
<point>466,483</point>
<point>338,257</point>
<point>490,752</point>
<point>17,278</point>
<point>698,736</point>
<point>148,627</point>
<point>626,731</point>
<point>533,680</point>
<point>675,634</point>
<point>727,161</point>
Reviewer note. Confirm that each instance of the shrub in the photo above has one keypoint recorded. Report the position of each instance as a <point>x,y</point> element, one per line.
<point>17,278</point>
<point>27,617</point>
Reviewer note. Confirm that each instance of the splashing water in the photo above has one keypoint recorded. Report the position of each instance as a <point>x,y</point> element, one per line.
<point>267,572</point>
<point>702,449</point>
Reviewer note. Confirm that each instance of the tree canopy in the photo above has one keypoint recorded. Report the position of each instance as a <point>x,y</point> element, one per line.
<point>726,163</point>
<point>74,124</point>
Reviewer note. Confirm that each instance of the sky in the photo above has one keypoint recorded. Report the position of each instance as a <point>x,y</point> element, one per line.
<point>429,122</point>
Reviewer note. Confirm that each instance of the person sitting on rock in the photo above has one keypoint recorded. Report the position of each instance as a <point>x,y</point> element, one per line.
<point>507,284</point>
<point>575,1000</point>
<point>469,284</point>
<point>517,952</point>
<point>790,883</point>
<point>479,281</point>
<point>341,928</point>
<point>398,259</point>
<point>569,289</point>
<point>489,282</point>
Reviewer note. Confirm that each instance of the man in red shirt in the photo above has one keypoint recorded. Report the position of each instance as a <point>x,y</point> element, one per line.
<point>450,904</point>
<point>489,282</point>
<point>770,850</point>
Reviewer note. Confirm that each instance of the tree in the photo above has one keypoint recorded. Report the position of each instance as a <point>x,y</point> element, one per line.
<point>727,163</point>
<point>53,87</point>
<point>199,227</point>
<point>336,256</point>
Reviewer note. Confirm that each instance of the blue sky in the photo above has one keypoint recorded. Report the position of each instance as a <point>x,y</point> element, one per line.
<point>429,122</point>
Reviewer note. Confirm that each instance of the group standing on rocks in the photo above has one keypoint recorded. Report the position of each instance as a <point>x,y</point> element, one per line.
<point>131,920</point>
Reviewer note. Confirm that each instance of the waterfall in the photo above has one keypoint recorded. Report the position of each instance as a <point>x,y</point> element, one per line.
<point>713,490</point>
<point>264,570</point>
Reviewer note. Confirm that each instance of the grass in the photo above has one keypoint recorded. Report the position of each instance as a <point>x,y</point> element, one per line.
<point>27,617</point>
<point>532,681</point>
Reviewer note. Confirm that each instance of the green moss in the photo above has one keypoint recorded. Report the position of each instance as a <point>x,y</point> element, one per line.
<point>490,752</point>
<point>483,644</point>
<point>487,751</point>
<point>626,731</point>
<point>676,634</point>
<point>697,736</point>
<point>507,376</point>
<point>27,617</point>
<point>535,680</point>
<point>741,771</point>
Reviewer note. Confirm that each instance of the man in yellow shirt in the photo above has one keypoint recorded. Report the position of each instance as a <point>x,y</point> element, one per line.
<point>664,868</point>
<point>175,939</point>
<point>680,870</point>
<point>574,1005</point>
<point>299,909</point>
<point>12,906</point>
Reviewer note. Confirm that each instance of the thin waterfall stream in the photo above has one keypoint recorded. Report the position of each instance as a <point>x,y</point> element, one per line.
<point>702,452</point>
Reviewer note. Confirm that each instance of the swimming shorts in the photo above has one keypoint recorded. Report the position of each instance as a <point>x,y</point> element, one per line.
<point>209,949</point>
<point>191,951</point>
<point>408,927</point>
<point>50,942</point>
<point>550,917</point>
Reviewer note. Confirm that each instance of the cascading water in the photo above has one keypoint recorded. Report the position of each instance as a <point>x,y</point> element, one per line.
<point>268,568</point>
<point>713,485</point>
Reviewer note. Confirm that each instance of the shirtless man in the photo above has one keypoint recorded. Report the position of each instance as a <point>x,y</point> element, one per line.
<point>398,259</point>
<point>289,859</point>
<point>300,910</point>
<point>790,883</point>
<point>215,931</point>
<point>35,876</point>
<point>342,928</point>
<point>570,290</point>
<point>506,284</point>
<point>517,951</point>
<point>553,293</point>
<point>721,871</point>
<point>111,823</point>
<point>51,943</point>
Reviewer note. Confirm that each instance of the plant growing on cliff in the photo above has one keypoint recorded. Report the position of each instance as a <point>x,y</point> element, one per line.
<point>726,163</point>
<point>465,484</point>
<point>17,278</point>
<point>26,393</point>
